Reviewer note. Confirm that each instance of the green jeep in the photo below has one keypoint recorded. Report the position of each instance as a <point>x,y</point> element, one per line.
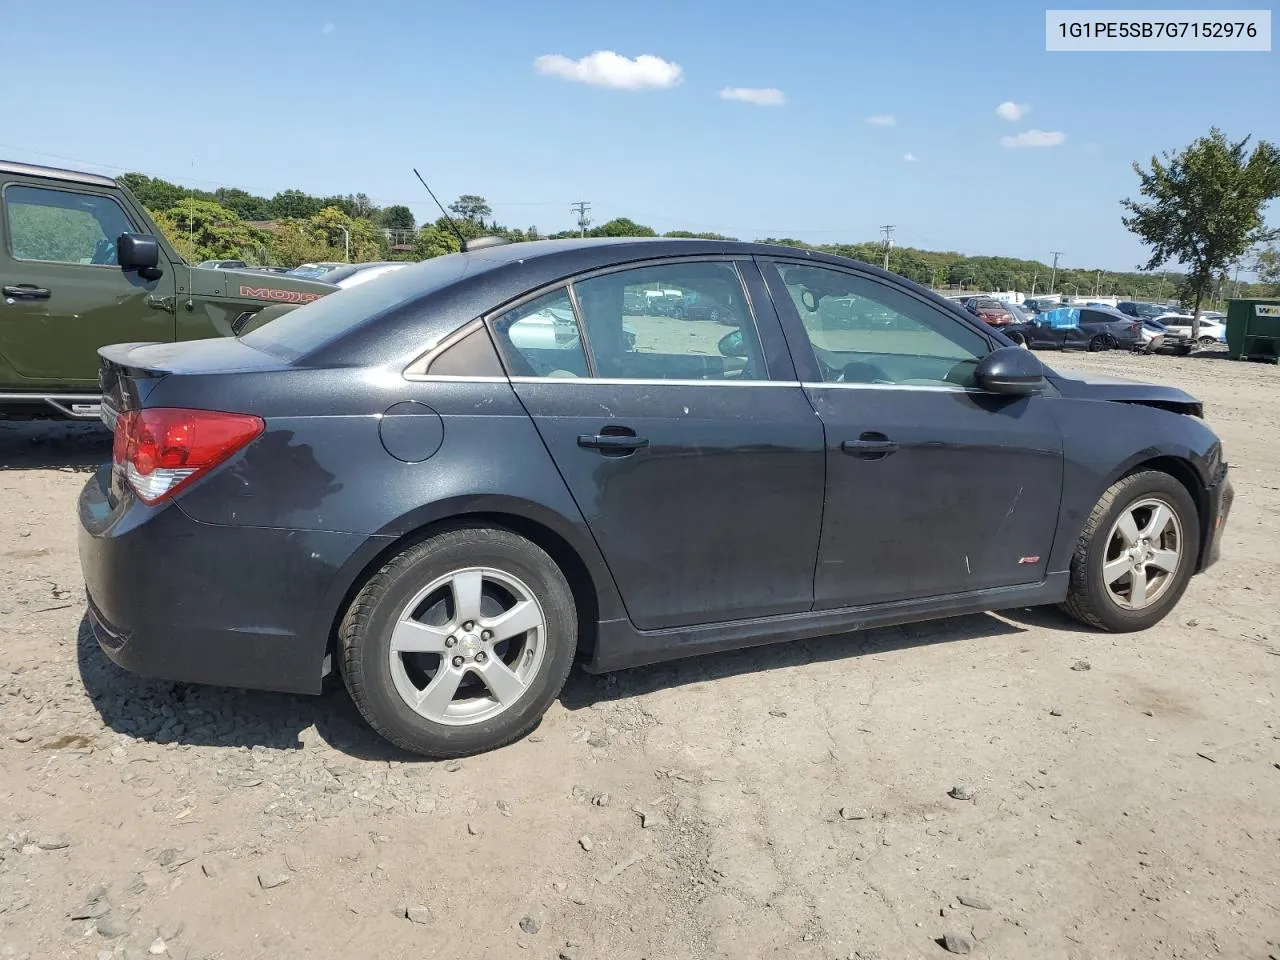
<point>82,266</point>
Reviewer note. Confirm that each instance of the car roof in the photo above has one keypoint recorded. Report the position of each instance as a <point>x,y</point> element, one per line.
<point>55,173</point>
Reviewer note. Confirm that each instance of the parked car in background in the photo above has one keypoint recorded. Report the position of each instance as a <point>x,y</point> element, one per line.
<point>224,265</point>
<point>352,274</point>
<point>1141,310</point>
<point>1153,335</point>
<point>268,269</point>
<point>1079,328</point>
<point>83,265</point>
<point>1179,340</point>
<point>388,484</point>
<point>316,271</point>
<point>1041,304</point>
<point>991,312</point>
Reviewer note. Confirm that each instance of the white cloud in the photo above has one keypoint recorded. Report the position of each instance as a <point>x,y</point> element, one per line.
<point>910,158</point>
<point>1034,138</point>
<point>1013,112</point>
<point>882,120</point>
<point>604,68</point>
<point>327,28</point>
<point>760,96</point>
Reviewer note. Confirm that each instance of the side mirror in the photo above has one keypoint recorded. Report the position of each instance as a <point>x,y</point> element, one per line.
<point>731,345</point>
<point>141,252</point>
<point>1010,370</point>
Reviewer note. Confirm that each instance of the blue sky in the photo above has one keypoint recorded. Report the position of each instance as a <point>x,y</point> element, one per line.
<point>336,97</point>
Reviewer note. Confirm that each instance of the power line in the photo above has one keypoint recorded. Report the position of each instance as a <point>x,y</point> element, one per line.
<point>581,208</point>
<point>887,230</point>
<point>1054,275</point>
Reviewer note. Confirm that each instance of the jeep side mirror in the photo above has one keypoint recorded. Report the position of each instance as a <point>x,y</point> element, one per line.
<point>141,252</point>
<point>731,345</point>
<point>1010,370</point>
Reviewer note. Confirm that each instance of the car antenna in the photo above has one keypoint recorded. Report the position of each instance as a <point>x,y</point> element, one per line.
<point>463,242</point>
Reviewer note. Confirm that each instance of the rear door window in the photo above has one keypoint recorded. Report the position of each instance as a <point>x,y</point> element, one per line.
<point>672,321</point>
<point>540,338</point>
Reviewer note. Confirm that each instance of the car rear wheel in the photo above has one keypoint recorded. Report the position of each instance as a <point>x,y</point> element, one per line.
<point>459,644</point>
<point>1099,342</point>
<point>1208,341</point>
<point>1136,554</point>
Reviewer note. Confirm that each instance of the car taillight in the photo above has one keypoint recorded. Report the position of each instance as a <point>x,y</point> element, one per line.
<point>163,449</point>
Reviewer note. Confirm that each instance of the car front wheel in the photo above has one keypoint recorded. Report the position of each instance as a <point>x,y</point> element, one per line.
<point>460,643</point>
<point>1136,554</point>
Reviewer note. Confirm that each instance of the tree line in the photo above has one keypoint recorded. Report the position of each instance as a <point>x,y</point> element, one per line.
<point>294,227</point>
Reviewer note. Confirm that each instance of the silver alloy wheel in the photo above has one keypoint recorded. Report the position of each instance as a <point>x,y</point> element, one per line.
<point>1144,551</point>
<point>468,646</point>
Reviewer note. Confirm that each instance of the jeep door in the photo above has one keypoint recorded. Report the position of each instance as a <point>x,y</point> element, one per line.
<point>64,296</point>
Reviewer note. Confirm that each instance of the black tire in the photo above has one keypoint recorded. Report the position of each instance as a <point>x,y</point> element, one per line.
<point>1098,343</point>
<point>1088,599</point>
<point>365,635</point>
<point>1017,339</point>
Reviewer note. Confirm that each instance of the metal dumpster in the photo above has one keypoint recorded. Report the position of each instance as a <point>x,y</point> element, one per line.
<point>1253,330</point>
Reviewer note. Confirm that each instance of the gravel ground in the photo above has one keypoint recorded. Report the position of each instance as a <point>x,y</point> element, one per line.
<point>893,794</point>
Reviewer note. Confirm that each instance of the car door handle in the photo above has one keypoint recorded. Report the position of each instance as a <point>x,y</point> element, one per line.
<point>25,291</point>
<point>608,442</point>
<point>870,446</point>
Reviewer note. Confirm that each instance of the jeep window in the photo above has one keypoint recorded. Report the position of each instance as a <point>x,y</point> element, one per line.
<point>60,226</point>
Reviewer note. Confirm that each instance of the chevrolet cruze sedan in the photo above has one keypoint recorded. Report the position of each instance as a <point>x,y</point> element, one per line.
<point>397,483</point>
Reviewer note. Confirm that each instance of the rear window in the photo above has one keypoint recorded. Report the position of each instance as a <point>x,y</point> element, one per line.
<point>305,329</point>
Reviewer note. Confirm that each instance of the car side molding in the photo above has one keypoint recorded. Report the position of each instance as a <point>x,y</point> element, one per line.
<point>620,646</point>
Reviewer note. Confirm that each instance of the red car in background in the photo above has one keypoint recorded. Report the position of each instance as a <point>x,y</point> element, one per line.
<point>990,311</point>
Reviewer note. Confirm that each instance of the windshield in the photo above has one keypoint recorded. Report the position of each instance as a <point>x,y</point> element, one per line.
<point>312,270</point>
<point>305,329</point>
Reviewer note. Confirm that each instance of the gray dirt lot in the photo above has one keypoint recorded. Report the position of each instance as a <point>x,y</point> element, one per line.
<point>1131,810</point>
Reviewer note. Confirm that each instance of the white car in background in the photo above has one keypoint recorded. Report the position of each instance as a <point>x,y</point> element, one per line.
<point>1178,332</point>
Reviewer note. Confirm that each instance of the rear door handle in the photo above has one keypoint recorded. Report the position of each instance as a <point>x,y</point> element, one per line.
<point>612,442</point>
<point>870,446</point>
<point>25,291</point>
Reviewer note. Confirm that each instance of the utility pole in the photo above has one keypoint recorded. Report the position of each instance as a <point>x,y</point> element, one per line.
<point>1054,275</point>
<point>1034,277</point>
<point>887,230</point>
<point>1097,283</point>
<point>581,208</point>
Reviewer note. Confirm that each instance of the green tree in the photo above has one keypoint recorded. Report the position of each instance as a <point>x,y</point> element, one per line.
<point>295,242</point>
<point>471,207</point>
<point>690,235</point>
<point>1203,207</point>
<point>398,217</point>
<point>1267,266</point>
<point>294,204</point>
<point>622,227</point>
<point>154,193</point>
<point>243,204</point>
<point>204,230</point>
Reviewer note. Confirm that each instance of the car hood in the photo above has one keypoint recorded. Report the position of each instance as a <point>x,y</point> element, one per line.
<point>255,285</point>
<point>1098,386</point>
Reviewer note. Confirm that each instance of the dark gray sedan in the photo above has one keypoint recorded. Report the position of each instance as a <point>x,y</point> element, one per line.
<point>413,483</point>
